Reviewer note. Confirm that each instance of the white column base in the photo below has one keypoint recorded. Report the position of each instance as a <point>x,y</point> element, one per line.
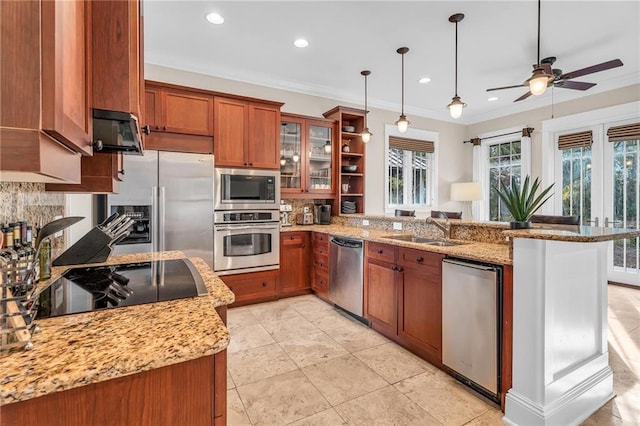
<point>572,408</point>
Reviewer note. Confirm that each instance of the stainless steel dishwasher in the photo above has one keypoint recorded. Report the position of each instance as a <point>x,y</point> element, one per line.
<point>472,324</point>
<point>346,273</point>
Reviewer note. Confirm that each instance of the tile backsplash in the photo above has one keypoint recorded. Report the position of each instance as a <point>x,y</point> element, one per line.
<point>29,202</point>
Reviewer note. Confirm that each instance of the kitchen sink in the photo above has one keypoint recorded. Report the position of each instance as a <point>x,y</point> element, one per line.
<point>423,240</point>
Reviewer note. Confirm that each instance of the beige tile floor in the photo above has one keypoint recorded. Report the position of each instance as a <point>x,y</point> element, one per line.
<point>298,362</point>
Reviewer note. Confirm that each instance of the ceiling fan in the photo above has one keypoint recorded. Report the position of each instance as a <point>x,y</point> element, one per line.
<point>544,75</point>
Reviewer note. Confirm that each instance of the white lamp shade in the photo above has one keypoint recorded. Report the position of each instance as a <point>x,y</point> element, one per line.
<point>466,191</point>
<point>538,85</point>
<point>365,135</point>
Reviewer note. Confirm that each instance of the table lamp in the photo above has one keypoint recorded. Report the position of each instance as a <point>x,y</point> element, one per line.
<point>467,192</point>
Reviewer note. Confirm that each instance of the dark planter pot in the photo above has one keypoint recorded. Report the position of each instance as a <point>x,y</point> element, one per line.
<point>520,225</point>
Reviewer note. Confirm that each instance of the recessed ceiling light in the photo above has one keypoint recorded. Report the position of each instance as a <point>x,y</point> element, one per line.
<point>493,98</point>
<point>215,18</point>
<point>424,80</point>
<point>300,42</point>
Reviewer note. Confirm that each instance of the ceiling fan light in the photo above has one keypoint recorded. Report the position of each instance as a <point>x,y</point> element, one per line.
<point>327,147</point>
<point>295,157</point>
<point>402,123</point>
<point>455,107</point>
<point>283,161</point>
<point>366,135</point>
<point>538,82</point>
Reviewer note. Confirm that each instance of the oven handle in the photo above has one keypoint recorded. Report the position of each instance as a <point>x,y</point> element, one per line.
<point>238,227</point>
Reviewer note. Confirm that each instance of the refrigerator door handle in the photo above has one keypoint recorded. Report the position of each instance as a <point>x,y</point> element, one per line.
<point>161,228</point>
<point>154,219</point>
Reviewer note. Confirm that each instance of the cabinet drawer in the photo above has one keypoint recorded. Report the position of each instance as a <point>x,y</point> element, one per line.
<point>384,252</point>
<point>320,239</point>
<point>321,262</point>
<point>321,283</point>
<point>255,285</point>
<point>292,238</point>
<point>420,259</point>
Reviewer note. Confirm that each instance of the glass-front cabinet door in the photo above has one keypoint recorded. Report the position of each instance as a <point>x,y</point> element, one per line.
<point>291,155</point>
<point>319,148</point>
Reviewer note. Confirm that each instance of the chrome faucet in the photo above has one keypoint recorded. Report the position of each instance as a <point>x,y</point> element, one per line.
<point>446,228</point>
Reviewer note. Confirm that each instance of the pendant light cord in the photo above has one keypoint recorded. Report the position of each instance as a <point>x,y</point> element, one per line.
<point>365,101</point>
<point>402,113</point>
<point>538,32</point>
<point>456,58</point>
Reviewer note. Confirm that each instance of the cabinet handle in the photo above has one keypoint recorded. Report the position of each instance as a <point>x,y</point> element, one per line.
<point>264,284</point>
<point>400,269</point>
<point>419,259</point>
<point>303,245</point>
<point>145,129</point>
<point>121,172</point>
<point>291,238</point>
<point>245,164</point>
<point>157,127</point>
<point>164,127</point>
<point>379,251</point>
<point>251,164</point>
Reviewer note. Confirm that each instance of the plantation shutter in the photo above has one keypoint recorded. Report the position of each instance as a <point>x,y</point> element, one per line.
<point>575,140</point>
<point>624,133</point>
<point>408,144</point>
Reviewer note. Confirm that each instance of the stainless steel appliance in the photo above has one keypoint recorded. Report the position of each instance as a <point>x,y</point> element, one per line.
<point>247,189</point>
<point>111,286</point>
<point>471,324</point>
<point>170,197</point>
<point>322,214</point>
<point>346,273</point>
<point>115,131</point>
<point>246,241</point>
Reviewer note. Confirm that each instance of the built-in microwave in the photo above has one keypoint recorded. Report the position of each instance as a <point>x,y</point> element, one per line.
<point>246,189</point>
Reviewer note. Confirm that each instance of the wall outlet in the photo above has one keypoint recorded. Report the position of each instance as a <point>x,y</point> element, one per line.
<point>59,233</point>
<point>365,222</point>
<point>397,226</point>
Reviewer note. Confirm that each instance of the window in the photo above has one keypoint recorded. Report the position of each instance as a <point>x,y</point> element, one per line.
<point>576,150</point>
<point>410,169</point>
<point>505,169</point>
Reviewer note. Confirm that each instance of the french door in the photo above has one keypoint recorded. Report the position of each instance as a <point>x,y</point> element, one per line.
<point>600,183</point>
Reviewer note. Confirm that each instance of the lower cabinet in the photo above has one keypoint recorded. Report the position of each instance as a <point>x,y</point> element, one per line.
<point>403,297</point>
<point>320,282</point>
<point>189,393</point>
<point>295,276</point>
<point>253,287</point>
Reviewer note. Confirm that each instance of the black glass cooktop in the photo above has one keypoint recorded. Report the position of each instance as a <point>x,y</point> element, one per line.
<point>102,287</point>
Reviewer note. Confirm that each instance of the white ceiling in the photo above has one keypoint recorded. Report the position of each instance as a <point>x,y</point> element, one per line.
<point>496,45</point>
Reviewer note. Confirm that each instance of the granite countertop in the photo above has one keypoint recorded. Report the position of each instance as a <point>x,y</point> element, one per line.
<point>578,234</point>
<point>76,350</point>
<point>485,252</point>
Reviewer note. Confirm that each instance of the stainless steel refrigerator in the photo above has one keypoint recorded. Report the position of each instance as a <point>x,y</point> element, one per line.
<point>170,196</point>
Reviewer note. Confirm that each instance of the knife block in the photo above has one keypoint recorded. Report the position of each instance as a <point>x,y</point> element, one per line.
<point>93,247</point>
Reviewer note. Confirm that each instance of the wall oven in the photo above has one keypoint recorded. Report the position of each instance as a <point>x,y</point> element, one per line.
<point>246,189</point>
<point>246,241</point>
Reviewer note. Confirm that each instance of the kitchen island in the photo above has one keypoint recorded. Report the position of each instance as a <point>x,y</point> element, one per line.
<point>155,363</point>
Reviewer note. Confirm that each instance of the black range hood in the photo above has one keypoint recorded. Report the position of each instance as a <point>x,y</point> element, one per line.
<point>115,131</point>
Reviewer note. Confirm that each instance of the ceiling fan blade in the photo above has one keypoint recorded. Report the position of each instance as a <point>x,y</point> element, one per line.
<point>592,69</point>
<point>523,97</point>
<point>576,85</point>
<point>506,87</point>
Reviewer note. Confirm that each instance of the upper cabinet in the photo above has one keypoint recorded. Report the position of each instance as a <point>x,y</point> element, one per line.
<point>45,110</point>
<point>306,157</point>
<point>179,118</point>
<point>116,58</point>
<point>246,133</point>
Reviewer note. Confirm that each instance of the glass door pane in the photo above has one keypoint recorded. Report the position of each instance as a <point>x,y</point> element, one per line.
<point>576,183</point>
<point>320,144</point>
<point>623,181</point>
<point>290,155</point>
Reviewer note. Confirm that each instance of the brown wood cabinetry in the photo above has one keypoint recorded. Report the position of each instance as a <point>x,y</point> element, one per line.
<point>45,115</point>
<point>349,152</point>
<point>295,250</point>
<point>420,303</point>
<point>306,157</point>
<point>116,57</point>
<point>189,393</point>
<point>246,133</point>
<point>403,297</point>
<point>253,287</point>
<point>381,291</point>
<point>320,282</point>
<point>179,118</point>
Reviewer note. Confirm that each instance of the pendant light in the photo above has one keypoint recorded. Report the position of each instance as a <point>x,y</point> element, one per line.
<point>327,147</point>
<point>402,123</point>
<point>539,80</point>
<point>365,134</point>
<point>456,105</point>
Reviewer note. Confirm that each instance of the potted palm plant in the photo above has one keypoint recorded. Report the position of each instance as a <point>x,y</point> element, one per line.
<point>522,201</point>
